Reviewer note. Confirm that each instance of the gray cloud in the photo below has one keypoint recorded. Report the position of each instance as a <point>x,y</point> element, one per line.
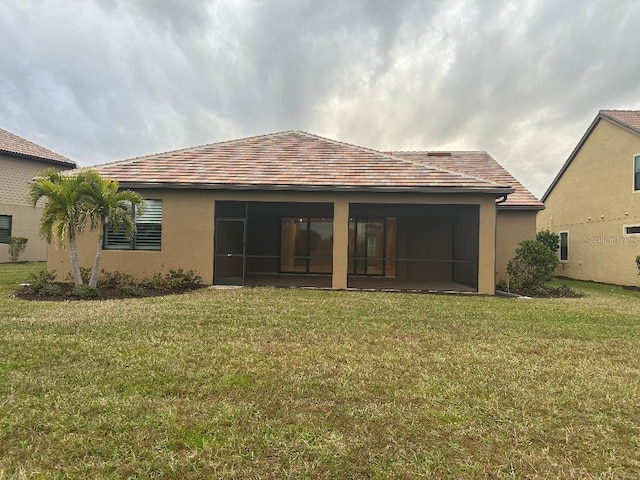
<point>108,79</point>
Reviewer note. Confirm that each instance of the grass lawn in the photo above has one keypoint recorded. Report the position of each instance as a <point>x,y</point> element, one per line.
<point>273,383</point>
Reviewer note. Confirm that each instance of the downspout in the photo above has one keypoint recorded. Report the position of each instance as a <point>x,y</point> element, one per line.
<point>495,243</point>
<point>495,246</point>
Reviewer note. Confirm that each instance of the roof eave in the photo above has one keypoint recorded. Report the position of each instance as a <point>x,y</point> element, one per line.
<point>316,188</point>
<point>521,207</point>
<point>70,163</point>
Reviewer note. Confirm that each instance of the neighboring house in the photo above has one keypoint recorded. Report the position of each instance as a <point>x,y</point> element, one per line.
<point>293,208</point>
<point>20,161</point>
<point>594,202</point>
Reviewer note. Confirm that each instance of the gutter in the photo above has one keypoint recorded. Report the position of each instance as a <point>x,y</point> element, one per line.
<point>520,207</point>
<point>502,191</point>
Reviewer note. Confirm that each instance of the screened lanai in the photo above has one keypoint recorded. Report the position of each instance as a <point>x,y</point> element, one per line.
<point>390,246</point>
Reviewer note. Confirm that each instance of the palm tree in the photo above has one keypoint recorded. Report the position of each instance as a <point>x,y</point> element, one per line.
<point>108,205</point>
<point>64,215</point>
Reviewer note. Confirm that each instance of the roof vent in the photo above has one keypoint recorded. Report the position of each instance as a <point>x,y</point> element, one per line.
<point>438,154</point>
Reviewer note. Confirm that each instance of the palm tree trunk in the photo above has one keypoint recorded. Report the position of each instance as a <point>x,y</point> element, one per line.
<point>93,282</point>
<point>73,253</point>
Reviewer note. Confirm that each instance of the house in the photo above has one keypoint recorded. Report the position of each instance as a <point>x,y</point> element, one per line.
<point>293,208</point>
<point>594,202</point>
<point>20,161</point>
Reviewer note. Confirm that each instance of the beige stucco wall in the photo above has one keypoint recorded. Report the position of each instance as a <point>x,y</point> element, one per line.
<point>15,176</point>
<point>512,226</point>
<point>593,201</point>
<point>188,232</point>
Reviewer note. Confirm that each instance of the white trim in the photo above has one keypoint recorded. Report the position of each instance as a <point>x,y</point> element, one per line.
<point>624,229</point>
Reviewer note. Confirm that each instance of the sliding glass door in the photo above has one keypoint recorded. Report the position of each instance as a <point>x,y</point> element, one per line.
<point>307,245</point>
<point>372,246</point>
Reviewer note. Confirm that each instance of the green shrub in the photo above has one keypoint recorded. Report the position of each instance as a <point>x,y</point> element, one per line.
<point>50,290</point>
<point>17,246</point>
<point>174,280</point>
<point>550,239</point>
<point>181,279</point>
<point>41,283</point>
<point>130,290</point>
<point>115,279</point>
<point>85,275</point>
<point>85,292</point>
<point>532,267</point>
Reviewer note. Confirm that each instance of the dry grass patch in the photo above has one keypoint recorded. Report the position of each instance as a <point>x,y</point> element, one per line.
<point>272,383</point>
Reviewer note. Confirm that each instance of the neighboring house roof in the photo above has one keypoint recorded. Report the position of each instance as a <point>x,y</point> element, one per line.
<point>626,119</point>
<point>479,165</point>
<point>629,119</point>
<point>291,160</point>
<point>14,145</point>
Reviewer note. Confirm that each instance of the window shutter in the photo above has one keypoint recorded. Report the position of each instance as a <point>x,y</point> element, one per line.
<point>149,227</point>
<point>5,228</point>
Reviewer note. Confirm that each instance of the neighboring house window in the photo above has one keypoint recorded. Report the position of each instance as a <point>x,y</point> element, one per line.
<point>148,235</point>
<point>5,228</point>
<point>632,230</point>
<point>564,246</point>
<point>636,173</point>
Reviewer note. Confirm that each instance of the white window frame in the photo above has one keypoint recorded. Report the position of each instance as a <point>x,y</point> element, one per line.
<point>624,230</point>
<point>636,157</point>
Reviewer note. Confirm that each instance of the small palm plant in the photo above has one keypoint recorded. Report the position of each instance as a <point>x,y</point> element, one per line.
<point>64,215</point>
<point>75,199</point>
<point>108,205</point>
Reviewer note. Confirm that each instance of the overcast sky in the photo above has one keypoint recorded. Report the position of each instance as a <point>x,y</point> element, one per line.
<point>101,80</point>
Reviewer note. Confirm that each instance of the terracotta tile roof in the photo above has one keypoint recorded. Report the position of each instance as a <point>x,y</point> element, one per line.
<point>479,165</point>
<point>15,145</point>
<point>630,118</point>
<point>290,160</point>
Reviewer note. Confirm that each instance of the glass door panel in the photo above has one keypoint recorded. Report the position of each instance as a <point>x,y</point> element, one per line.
<point>321,245</point>
<point>293,247</point>
<point>372,246</point>
<point>306,245</point>
<point>375,247</point>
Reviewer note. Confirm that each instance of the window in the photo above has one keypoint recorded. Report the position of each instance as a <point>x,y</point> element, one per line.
<point>632,230</point>
<point>148,235</point>
<point>564,246</point>
<point>307,245</point>
<point>636,173</point>
<point>5,228</point>
<point>372,246</point>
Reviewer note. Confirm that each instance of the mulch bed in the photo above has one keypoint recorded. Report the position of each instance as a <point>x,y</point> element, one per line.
<point>105,293</point>
<point>631,287</point>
